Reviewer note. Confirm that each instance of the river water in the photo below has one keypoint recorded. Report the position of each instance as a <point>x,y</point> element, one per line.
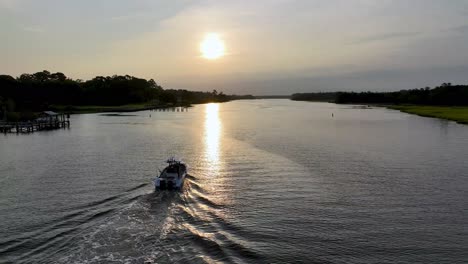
<point>271,181</point>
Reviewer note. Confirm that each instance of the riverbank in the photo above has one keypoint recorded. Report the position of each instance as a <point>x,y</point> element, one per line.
<point>454,113</point>
<point>88,109</point>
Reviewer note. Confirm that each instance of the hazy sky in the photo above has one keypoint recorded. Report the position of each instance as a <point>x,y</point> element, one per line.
<point>273,47</point>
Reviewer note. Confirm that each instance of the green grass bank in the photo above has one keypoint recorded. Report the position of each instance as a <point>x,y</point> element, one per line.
<point>454,113</point>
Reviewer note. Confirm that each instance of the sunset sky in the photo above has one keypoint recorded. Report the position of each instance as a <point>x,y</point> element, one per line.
<point>268,47</point>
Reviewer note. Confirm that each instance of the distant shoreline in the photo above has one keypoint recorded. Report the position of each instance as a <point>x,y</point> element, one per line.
<point>91,109</point>
<point>21,98</point>
<point>446,101</point>
<point>458,114</point>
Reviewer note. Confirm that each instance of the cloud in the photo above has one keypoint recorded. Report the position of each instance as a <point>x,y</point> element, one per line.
<point>370,80</point>
<point>386,36</point>
<point>33,29</point>
<point>130,17</point>
<point>460,29</point>
<point>290,40</point>
<point>9,4</point>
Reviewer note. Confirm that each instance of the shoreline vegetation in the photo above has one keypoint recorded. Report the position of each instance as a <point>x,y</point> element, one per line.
<point>22,98</point>
<point>89,109</point>
<point>446,101</point>
<point>453,113</point>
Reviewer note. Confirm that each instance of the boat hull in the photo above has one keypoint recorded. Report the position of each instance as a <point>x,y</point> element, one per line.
<point>170,184</point>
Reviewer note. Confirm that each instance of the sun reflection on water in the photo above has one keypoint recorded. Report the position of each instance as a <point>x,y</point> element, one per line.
<point>214,161</point>
<point>212,134</point>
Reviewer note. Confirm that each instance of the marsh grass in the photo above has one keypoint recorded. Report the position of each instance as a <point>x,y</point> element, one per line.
<point>454,113</point>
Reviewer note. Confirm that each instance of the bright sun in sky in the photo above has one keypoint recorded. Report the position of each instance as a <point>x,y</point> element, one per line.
<point>212,46</point>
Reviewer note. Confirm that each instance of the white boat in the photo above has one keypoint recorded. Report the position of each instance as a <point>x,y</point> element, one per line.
<point>173,176</point>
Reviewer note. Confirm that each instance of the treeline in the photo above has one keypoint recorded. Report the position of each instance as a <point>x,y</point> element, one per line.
<point>41,90</point>
<point>316,97</point>
<point>446,94</point>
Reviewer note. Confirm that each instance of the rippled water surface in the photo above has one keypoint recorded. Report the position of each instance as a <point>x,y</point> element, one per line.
<point>271,181</point>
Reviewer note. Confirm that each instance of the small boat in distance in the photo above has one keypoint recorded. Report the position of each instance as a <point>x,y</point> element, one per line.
<point>173,176</point>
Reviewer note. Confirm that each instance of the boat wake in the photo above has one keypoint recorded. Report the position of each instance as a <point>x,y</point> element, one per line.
<point>139,226</point>
<point>163,226</point>
<point>43,242</point>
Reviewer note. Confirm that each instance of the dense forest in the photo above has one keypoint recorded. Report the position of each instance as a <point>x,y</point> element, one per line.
<point>446,94</point>
<point>43,90</point>
<point>316,97</point>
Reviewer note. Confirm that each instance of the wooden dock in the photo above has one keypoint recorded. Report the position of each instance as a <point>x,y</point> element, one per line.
<point>29,127</point>
<point>48,121</point>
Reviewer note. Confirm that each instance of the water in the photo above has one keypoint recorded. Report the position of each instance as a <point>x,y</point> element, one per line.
<point>271,181</point>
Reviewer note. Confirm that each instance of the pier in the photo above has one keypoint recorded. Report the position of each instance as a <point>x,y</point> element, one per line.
<point>171,109</point>
<point>48,120</point>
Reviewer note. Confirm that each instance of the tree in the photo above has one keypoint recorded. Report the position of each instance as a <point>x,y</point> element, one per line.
<point>39,91</point>
<point>2,109</point>
<point>58,76</point>
<point>42,76</point>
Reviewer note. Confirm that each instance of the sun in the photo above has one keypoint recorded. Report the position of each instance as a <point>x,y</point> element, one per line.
<point>212,46</point>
